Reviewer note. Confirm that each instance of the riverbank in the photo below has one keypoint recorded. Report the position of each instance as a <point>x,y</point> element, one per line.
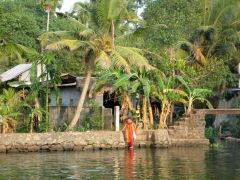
<point>93,140</point>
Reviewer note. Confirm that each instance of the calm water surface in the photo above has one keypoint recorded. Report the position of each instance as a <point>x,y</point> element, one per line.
<point>172,163</point>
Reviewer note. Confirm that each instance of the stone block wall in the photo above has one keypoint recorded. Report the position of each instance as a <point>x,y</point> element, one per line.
<point>67,141</point>
<point>154,138</point>
<point>189,130</point>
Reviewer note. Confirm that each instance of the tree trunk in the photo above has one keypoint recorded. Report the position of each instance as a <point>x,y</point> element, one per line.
<point>81,101</point>
<point>144,110</point>
<point>31,124</point>
<point>161,119</point>
<point>150,113</point>
<point>189,108</point>
<point>113,35</point>
<point>37,106</point>
<point>47,108</point>
<point>48,19</point>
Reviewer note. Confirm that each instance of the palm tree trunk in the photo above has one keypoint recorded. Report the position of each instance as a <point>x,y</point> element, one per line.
<point>113,34</point>
<point>47,108</point>
<point>48,19</point>
<point>81,101</point>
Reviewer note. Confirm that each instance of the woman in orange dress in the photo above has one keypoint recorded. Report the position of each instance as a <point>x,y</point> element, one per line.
<point>130,132</point>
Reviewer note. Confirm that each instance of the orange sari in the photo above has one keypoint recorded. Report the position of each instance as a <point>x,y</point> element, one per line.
<point>130,130</point>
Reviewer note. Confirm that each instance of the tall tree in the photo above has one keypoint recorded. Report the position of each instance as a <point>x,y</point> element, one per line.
<point>98,44</point>
<point>50,6</point>
<point>218,36</point>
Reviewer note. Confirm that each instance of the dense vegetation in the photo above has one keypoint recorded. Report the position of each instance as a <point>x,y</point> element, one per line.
<point>178,54</point>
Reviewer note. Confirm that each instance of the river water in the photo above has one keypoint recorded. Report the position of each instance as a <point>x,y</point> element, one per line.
<point>173,163</point>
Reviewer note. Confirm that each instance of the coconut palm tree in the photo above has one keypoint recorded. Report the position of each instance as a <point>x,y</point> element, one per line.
<point>50,6</point>
<point>218,36</point>
<point>97,43</point>
<point>82,12</point>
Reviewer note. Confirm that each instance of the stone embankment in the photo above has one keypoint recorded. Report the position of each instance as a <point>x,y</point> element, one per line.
<point>66,141</point>
<point>93,140</point>
<point>188,131</point>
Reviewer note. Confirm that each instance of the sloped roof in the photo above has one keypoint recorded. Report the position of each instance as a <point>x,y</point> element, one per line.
<point>14,72</point>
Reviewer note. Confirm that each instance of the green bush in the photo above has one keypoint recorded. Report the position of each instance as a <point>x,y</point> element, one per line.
<point>92,121</point>
<point>210,133</point>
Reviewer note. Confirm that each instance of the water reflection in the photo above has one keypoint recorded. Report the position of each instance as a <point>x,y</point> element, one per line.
<point>172,163</point>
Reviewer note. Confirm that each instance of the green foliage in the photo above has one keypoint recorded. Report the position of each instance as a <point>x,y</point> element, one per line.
<point>210,133</point>
<point>233,126</point>
<point>93,120</point>
<point>179,16</point>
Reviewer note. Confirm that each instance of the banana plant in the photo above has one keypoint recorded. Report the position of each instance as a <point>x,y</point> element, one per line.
<point>166,92</point>
<point>192,95</point>
<point>11,104</point>
<point>35,112</point>
<point>115,81</point>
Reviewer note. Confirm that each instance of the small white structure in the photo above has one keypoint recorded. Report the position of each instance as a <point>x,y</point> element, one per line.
<point>20,73</point>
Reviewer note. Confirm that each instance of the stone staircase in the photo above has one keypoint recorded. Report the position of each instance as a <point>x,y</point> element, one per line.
<point>188,129</point>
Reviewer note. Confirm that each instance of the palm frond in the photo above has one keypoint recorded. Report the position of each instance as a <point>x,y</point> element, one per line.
<point>133,57</point>
<point>109,10</point>
<point>47,37</point>
<point>72,45</point>
<point>119,62</point>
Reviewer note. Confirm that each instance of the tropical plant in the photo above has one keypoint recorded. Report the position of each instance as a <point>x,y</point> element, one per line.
<point>117,82</point>
<point>50,6</point>
<point>192,95</point>
<point>49,77</point>
<point>10,108</point>
<point>34,113</point>
<point>218,36</point>
<point>126,86</point>
<point>13,51</point>
<point>166,92</point>
<point>82,12</point>
<point>97,43</point>
<point>141,84</point>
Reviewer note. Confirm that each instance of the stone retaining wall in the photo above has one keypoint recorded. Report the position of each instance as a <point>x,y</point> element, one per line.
<point>94,140</point>
<point>67,141</point>
<point>78,141</point>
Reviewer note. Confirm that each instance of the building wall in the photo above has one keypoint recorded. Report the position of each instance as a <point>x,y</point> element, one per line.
<point>59,115</point>
<point>69,96</point>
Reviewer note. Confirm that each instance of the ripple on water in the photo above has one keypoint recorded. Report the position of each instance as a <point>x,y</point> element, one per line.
<point>172,163</point>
